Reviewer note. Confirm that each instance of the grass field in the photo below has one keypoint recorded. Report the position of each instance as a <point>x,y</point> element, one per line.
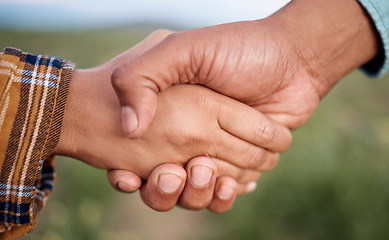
<point>333,183</point>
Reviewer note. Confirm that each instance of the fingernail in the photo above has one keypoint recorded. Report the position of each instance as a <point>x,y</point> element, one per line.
<point>128,184</point>
<point>225,192</point>
<point>125,187</point>
<point>201,175</point>
<point>169,183</point>
<point>251,187</point>
<point>129,119</point>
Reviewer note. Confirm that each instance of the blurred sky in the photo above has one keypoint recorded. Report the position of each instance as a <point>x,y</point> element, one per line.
<point>73,14</point>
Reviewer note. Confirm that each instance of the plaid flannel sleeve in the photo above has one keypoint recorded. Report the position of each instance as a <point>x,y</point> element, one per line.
<point>379,13</point>
<point>33,90</point>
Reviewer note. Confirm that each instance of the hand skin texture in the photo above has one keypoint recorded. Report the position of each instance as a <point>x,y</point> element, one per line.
<point>191,121</point>
<point>282,65</point>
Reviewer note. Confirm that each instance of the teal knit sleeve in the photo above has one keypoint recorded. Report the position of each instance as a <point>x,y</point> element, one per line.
<point>379,12</point>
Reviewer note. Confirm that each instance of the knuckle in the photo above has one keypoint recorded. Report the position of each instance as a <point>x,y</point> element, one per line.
<point>264,131</point>
<point>118,79</point>
<point>175,40</point>
<point>172,36</point>
<point>161,33</point>
<point>256,158</point>
<point>239,175</point>
<point>270,163</point>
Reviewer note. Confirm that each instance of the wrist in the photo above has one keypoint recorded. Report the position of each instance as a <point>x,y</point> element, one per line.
<point>82,111</point>
<point>331,37</point>
<point>92,118</point>
<point>67,142</point>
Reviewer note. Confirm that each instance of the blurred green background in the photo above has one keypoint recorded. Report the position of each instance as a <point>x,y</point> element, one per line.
<point>333,183</point>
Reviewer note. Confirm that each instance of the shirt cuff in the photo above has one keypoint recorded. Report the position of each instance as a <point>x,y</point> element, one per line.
<point>34,91</point>
<point>379,13</point>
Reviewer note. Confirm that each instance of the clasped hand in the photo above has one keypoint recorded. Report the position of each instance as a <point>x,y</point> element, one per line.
<point>281,66</point>
<point>223,144</point>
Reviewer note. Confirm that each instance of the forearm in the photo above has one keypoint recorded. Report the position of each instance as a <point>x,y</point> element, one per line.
<point>333,37</point>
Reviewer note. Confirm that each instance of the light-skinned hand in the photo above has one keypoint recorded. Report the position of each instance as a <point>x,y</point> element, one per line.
<point>192,121</point>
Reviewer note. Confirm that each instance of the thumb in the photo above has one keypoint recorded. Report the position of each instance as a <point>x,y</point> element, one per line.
<point>138,99</point>
<point>138,81</point>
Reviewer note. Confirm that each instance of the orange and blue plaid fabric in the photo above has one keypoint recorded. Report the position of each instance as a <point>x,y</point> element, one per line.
<point>33,91</point>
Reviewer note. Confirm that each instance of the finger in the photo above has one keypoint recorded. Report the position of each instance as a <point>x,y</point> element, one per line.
<point>238,152</point>
<point>145,101</point>
<point>224,196</point>
<point>242,176</point>
<point>200,183</point>
<point>246,188</point>
<point>164,186</point>
<point>270,162</point>
<point>252,126</point>
<point>124,181</point>
<point>138,107</point>
<point>137,82</point>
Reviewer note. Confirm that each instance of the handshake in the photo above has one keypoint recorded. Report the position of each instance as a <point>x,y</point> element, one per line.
<point>201,146</point>
<point>239,90</point>
<point>201,150</point>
